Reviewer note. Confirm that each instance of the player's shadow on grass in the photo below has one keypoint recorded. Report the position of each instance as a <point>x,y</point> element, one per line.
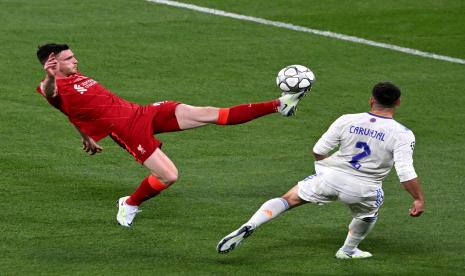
<point>266,246</point>
<point>393,246</point>
<point>313,242</point>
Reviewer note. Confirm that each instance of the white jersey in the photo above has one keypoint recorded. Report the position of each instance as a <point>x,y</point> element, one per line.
<point>369,145</point>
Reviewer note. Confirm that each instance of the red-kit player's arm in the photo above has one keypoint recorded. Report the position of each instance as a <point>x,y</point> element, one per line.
<point>49,85</point>
<point>88,144</point>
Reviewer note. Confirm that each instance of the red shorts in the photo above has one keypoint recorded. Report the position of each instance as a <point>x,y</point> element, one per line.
<point>138,136</point>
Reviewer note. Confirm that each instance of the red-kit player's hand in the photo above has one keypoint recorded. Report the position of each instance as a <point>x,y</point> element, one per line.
<point>50,65</point>
<point>89,146</point>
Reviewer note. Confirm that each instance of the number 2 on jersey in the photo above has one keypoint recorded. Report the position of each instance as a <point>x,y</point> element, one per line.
<point>366,152</point>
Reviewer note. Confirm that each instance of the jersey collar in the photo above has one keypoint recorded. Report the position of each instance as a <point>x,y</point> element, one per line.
<point>379,116</point>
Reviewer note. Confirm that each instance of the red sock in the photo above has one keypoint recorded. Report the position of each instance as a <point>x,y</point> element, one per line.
<point>148,188</point>
<point>246,112</point>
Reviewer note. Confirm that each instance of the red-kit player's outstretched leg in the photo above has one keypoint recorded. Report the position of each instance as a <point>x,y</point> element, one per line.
<point>193,116</point>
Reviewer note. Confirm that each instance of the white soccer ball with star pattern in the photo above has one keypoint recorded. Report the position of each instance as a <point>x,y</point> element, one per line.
<point>295,78</point>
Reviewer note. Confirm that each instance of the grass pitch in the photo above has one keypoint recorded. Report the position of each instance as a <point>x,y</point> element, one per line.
<point>57,208</point>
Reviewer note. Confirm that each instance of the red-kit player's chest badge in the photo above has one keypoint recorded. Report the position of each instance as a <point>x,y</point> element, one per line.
<point>79,88</point>
<point>83,84</point>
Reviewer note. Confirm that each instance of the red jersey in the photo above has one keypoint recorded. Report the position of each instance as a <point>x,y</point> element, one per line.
<point>91,107</point>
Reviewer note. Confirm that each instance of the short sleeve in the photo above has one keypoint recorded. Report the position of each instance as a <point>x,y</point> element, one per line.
<point>403,155</point>
<point>330,139</point>
<point>55,101</point>
<point>40,88</point>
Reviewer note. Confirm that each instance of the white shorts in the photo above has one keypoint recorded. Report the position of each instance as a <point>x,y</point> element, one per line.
<point>314,189</point>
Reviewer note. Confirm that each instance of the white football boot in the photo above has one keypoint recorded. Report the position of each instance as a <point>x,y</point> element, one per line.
<point>126,212</point>
<point>289,103</point>
<point>232,240</point>
<point>357,254</point>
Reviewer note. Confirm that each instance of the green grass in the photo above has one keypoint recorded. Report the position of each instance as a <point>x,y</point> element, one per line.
<point>58,204</point>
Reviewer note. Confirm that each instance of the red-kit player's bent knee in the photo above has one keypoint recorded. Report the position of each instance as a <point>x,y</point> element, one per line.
<point>162,167</point>
<point>169,178</point>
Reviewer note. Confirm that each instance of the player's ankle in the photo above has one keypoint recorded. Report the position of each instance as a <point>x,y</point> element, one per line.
<point>131,202</point>
<point>348,249</point>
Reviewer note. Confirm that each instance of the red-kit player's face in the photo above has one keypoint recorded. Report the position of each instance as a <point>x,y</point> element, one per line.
<point>67,63</point>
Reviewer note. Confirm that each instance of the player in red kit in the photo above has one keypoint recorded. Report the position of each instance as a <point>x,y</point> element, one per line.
<point>96,113</point>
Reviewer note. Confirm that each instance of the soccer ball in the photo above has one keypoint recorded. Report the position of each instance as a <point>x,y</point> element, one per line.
<point>295,78</point>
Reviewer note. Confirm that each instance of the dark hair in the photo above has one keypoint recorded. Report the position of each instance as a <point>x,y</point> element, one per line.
<point>386,94</point>
<point>45,50</point>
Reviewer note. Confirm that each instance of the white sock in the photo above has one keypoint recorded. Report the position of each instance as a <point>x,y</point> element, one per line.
<point>358,230</point>
<point>268,211</point>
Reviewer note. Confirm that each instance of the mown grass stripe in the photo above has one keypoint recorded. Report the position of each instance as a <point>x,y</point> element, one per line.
<point>349,38</point>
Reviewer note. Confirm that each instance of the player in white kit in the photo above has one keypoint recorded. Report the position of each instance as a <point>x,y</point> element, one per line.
<point>369,145</point>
